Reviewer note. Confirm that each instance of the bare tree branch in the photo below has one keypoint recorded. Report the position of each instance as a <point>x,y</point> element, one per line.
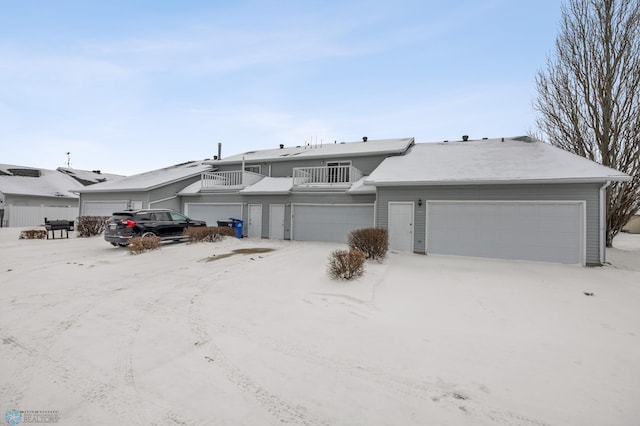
<point>589,95</point>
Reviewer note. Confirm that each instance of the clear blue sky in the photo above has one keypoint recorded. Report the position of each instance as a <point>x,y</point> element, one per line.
<point>131,86</point>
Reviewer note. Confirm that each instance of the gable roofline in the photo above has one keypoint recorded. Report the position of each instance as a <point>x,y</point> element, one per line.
<point>499,181</point>
<point>68,194</point>
<point>327,150</point>
<point>497,161</point>
<point>150,180</point>
<point>137,189</point>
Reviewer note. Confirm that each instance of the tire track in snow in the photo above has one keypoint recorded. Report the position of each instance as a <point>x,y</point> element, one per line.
<point>451,396</point>
<point>125,373</point>
<point>277,407</point>
<point>86,388</point>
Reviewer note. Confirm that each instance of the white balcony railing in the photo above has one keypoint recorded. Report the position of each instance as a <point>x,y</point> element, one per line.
<point>325,176</point>
<point>236,179</point>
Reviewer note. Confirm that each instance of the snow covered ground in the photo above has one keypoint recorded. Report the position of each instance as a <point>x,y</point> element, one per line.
<point>197,335</point>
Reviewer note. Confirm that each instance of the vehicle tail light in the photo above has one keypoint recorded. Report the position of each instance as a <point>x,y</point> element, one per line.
<point>129,223</point>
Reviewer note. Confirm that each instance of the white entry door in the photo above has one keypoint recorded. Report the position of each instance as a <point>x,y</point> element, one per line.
<point>401,226</point>
<point>276,221</point>
<point>254,229</point>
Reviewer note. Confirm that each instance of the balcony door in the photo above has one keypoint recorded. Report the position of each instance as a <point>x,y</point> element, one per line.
<point>338,171</point>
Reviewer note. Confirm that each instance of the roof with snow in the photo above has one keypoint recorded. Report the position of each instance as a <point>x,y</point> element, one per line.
<point>153,179</point>
<point>324,150</point>
<point>269,186</point>
<point>501,160</point>
<point>87,177</point>
<point>33,181</point>
<point>359,187</point>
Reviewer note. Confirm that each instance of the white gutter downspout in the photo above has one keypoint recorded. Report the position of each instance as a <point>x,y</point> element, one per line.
<point>242,183</point>
<point>603,221</point>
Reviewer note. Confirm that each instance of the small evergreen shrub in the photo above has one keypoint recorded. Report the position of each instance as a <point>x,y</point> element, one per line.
<point>373,242</point>
<point>346,264</point>
<point>89,226</point>
<point>33,234</point>
<point>139,245</point>
<point>209,234</point>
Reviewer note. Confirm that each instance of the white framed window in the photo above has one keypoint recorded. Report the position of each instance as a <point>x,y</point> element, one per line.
<point>253,168</point>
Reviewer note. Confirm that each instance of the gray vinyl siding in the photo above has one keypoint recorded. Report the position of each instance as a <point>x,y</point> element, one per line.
<point>286,199</point>
<point>531,192</point>
<point>167,193</point>
<point>112,196</point>
<point>28,200</point>
<point>366,164</point>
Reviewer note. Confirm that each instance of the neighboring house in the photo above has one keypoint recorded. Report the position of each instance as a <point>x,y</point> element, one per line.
<point>502,198</point>
<point>633,225</point>
<point>154,189</point>
<point>29,194</point>
<point>86,177</point>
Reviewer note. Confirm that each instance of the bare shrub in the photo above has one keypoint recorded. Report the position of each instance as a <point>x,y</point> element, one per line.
<point>33,234</point>
<point>209,234</point>
<point>139,245</point>
<point>88,226</point>
<point>346,264</point>
<point>373,242</point>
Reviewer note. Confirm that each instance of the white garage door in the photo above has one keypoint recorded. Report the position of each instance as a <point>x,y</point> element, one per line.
<point>102,208</point>
<point>211,213</point>
<point>539,231</point>
<point>331,223</point>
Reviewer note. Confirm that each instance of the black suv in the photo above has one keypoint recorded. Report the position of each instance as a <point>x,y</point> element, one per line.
<point>164,223</point>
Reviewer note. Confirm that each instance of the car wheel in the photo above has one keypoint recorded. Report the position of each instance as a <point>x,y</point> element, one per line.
<point>148,234</point>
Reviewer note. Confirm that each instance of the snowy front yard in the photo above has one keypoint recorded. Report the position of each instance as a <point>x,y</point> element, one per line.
<point>179,337</point>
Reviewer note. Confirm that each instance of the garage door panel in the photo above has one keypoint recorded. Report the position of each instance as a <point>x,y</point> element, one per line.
<point>540,231</point>
<point>329,223</point>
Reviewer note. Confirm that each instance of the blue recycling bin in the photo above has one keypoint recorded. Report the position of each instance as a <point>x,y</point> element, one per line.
<point>237,225</point>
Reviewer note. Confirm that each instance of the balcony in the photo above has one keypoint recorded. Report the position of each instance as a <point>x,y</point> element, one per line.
<point>232,180</point>
<point>325,177</point>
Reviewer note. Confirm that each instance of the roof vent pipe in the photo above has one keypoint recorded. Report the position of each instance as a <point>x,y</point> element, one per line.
<point>219,150</point>
<point>465,138</point>
<point>364,139</point>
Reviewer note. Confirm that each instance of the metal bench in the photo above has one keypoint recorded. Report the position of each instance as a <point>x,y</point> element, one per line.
<point>58,225</point>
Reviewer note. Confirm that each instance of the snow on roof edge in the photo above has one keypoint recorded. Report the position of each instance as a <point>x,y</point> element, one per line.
<point>499,181</point>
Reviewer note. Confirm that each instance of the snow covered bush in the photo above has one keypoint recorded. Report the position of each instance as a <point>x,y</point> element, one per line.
<point>209,234</point>
<point>373,242</point>
<point>139,245</point>
<point>346,264</point>
<point>33,234</point>
<point>88,226</point>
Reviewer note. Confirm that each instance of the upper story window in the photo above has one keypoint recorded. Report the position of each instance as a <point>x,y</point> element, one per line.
<point>252,169</point>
